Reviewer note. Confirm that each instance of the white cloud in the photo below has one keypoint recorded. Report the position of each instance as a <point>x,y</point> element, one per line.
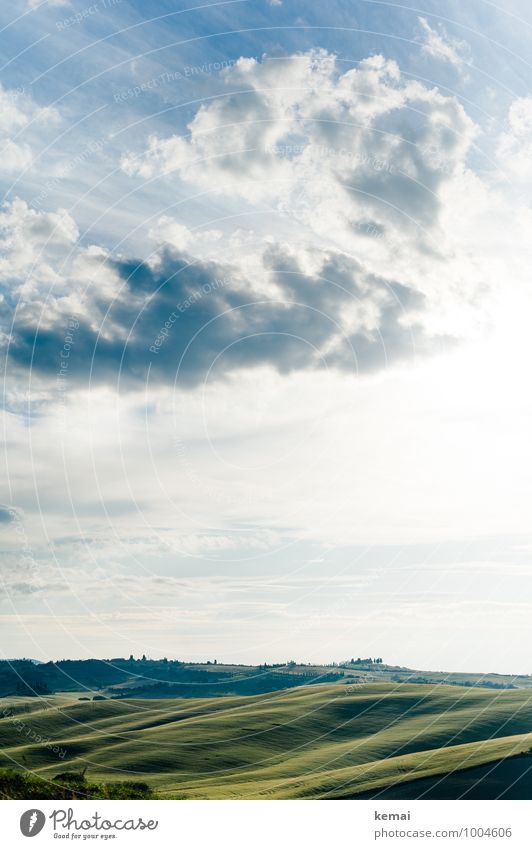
<point>367,172</point>
<point>18,112</point>
<point>34,246</point>
<point>439,45</point>
<point>334,149</point>
<point>168,231</point>
<point>298,305</point>
<point>365,160</point>
<point>514,148</point>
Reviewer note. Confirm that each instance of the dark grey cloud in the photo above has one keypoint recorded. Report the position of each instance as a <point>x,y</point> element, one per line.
<point>7,515</point>
<point>183,320</point>
<point>401,168</point>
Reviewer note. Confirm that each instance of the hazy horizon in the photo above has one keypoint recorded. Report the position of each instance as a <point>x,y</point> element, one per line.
<point>272,662</point>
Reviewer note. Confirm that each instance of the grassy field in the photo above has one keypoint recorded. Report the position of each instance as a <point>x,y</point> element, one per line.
<point>330,741</point>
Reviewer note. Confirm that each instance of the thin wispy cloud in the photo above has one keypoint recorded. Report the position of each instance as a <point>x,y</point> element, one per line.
<point>437,44</point>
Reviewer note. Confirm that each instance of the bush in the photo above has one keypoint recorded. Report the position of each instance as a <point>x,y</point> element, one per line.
<point>67,785</point>
<point>70,778</point>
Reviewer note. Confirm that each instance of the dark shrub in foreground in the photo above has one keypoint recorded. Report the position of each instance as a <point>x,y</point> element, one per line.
<point>27,785</point>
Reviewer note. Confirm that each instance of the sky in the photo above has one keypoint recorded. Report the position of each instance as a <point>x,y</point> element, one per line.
<point>265,331</point>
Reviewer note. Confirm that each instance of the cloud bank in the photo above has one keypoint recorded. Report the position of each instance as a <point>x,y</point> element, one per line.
<point>362,161</point>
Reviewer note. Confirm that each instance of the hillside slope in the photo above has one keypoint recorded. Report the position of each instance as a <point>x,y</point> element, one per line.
<point>311,742</point>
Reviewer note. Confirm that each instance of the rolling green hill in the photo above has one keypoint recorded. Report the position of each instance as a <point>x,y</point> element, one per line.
<point>331,741</point>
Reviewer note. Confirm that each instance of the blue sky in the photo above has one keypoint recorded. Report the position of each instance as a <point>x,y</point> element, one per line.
<point>264,329</point>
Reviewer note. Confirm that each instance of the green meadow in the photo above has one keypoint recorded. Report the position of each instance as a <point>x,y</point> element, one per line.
<point>332,741</point>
